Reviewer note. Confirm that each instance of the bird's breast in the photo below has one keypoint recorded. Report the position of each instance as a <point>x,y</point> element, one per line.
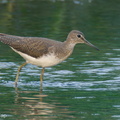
<point>47,60</point>
<point>44,61</point>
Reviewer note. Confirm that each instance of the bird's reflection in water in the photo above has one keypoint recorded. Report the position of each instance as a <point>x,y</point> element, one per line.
<point>36,105</point>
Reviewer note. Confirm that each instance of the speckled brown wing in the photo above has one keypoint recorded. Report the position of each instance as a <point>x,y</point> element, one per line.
<point>33,46</point>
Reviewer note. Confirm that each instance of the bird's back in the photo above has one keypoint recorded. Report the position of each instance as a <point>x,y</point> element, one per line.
<point>33,46</point>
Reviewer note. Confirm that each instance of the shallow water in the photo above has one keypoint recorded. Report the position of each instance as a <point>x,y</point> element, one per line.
<point>86,85</point>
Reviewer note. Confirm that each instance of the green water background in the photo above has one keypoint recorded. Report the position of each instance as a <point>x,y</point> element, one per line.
<point>86,86</point>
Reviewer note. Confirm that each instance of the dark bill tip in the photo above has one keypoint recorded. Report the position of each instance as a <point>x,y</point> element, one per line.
<point>91,45</point>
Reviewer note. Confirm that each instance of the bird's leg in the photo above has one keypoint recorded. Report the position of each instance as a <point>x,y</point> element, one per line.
<point>41,77</point>
<point>18,72</point>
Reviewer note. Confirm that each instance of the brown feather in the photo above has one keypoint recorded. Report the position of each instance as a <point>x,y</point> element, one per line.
<point>33,46</point>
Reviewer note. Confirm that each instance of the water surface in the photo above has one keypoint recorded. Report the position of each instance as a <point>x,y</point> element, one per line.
<point>86,85</point>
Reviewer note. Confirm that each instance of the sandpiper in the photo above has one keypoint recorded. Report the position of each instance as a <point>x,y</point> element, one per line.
<point>41,51</point>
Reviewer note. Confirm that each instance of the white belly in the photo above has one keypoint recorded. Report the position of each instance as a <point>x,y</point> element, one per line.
<point>44,61</point>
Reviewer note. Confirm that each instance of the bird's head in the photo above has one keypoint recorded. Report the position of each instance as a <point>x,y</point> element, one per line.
<point>76,36</point>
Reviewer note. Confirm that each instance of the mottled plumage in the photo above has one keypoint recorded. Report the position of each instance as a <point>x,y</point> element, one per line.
<point>43,52</point>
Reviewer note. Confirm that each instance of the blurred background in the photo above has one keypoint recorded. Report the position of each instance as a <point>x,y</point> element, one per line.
<point>84,87</point>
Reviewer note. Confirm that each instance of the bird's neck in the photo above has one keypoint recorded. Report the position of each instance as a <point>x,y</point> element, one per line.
<point>69,45</point>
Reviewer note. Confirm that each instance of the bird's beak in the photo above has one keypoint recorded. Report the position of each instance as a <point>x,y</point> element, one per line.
<point>91,45</point>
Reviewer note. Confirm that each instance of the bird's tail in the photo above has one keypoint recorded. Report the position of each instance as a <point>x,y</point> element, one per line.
<point>8,39</point>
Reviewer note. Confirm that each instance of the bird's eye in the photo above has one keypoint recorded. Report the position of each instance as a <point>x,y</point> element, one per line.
<point>78,36</point>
